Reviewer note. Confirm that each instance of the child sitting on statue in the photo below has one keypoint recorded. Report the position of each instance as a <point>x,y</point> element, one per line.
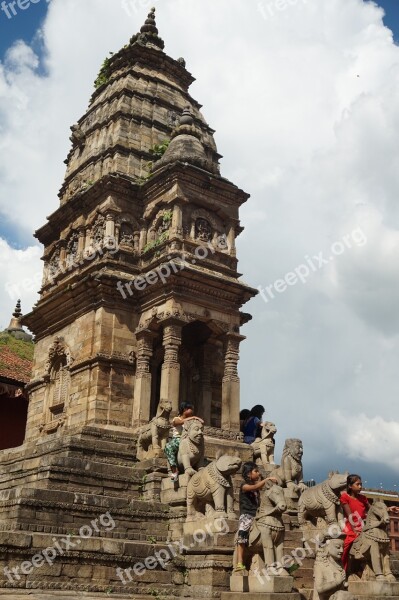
<point>186,412</point>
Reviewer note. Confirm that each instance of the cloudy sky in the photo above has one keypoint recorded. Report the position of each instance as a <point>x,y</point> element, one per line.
<point>304,97</point>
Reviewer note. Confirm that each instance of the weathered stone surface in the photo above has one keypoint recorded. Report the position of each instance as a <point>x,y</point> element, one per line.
<point>261,584</point>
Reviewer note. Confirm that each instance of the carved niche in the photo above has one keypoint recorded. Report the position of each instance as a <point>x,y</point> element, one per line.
<point>58,380</point>
<point>72,248</point>
<point>98,231</point>
<point>203,230</point>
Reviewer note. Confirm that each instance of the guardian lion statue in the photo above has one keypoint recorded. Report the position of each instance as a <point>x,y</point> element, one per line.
<point>322,502</point>
<point>190,456</point>
<point>263,447</point>
<point>210,491</point>
<point>153,436</point>
<point>290,472</point>
<point>372,545</point>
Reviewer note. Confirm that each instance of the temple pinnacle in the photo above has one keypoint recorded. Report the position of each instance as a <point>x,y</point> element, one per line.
<point>17,312</point>
<point>150,24</point>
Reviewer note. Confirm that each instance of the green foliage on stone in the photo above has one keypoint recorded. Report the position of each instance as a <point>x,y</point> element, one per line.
<point>151,245</point>
<point>104,73</point>
<point>21,348</point>
<point>158,150</point>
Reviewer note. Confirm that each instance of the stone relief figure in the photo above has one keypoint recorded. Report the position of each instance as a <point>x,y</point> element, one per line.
<point>266,536</point>
<point>203,230</point>
<point>264,445</point>
<point>126,234</point>
<point>372,545</point>
<point>328,573</point>
<point>99,231</point>
<point>322,502</point>
<point>290,472</point>
<point>210,491</point>
<point>190,456</point>
<point>72,248</point>
<point>153,436</point>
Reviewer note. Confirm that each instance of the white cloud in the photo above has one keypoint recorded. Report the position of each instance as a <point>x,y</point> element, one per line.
<point>20,277</point>
<point>374,440</point>
<point>306,107</point>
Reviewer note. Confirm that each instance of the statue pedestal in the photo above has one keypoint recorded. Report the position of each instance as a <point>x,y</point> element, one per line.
<point>209,533</point>
<point>374,589</point>
<point>261,584</point>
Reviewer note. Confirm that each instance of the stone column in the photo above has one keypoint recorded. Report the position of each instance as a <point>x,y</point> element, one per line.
<point>231,240</point>
<point>177,220</point>
<point>231,383</point>
<point>142,385</point>
<point>170,376</point>
<point>206,385</point>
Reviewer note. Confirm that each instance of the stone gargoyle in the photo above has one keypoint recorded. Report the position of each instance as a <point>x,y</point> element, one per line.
<point>263,446</point>
<point>190,456</point>
<point>372,545</point>
<point>153,436</point>
<point>322,502</point>
<point>210,491</point>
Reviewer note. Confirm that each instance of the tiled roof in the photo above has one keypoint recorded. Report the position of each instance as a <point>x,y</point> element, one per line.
<point>15,359</point>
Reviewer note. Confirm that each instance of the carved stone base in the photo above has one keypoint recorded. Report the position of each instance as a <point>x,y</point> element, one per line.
<point>209,533</point>
<point>261,596</point>
<point>261,584</point>
<point>375,589</point>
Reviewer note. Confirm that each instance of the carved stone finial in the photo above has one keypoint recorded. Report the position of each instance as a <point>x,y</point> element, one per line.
<point>150,24</point>
<point>187,117</point>
<point>148,34</point>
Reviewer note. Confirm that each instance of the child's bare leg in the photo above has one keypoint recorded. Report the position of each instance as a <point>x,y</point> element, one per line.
<point>240,553</point>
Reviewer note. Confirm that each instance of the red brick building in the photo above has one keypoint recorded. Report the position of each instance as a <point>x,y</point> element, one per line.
<point>16,352</point>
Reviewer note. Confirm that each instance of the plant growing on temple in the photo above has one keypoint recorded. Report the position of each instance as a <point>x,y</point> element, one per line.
<point>104,73</point>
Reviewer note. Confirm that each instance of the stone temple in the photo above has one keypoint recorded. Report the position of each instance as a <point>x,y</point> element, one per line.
<point>141,309</point>
<point>141,300</point>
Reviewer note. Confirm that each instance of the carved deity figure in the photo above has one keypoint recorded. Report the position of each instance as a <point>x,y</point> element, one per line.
<point>328,573</point>
<point>322,502</point>
<point>210,491</point>
<point>372,545</point>
<point>153,436</point>
<point>263,446</point>
<point>203,230</point>
<point>290,472</point>
<point>190,456</point>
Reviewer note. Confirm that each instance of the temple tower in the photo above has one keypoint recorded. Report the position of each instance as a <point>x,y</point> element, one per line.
<point>141,296</point>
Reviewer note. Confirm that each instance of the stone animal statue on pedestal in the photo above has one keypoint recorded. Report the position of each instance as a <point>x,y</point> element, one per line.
<point>190,456</point>
<point>153,436</point>
<point>290,472</point>
<point>210,491</point>
<point>328,573</point>
<point>322,502</point>
<point>372,545</point>
<point>266,536</point>
<point>263,447</point>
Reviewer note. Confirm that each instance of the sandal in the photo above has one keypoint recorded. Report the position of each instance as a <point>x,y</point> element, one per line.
<point>239,567</point>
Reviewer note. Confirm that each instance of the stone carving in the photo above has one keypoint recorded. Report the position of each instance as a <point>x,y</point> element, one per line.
<point>210,491</point>
<point>203,230</point>
<point>372,545</point>
<point>266,535</point>
<point>126,234</point>
<point>78,138</point>
<point>264,446</point>
<point>190,456</point>
<point>99,231</point>
<point>290,472</point>
<point>322,502</point>
<point>153,436</point>
<point>58,350</point>
<point>328,573</point>
<point>72,248</point>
